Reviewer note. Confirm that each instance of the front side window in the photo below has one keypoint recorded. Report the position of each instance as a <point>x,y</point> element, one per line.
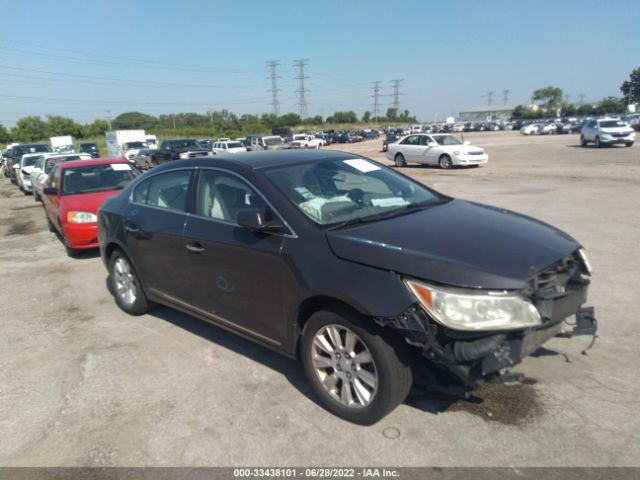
<point>447,140</point>
<point>335,191</point>
<point>222,195</point>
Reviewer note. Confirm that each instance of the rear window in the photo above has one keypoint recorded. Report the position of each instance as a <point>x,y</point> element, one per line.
<point>611,124</point>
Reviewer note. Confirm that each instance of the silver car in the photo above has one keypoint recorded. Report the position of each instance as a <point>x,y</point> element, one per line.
<point>607,131</point>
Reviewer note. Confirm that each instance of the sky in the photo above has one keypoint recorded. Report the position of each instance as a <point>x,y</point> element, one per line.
<point>97,59</point>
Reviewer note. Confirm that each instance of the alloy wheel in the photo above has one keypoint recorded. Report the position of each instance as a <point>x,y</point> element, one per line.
<point>125,282</point>
<point>344,366</point>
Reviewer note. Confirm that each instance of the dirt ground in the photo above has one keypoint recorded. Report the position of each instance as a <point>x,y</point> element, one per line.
<point>82,383</point>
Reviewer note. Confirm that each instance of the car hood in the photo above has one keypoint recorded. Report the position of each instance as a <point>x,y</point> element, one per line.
<point>86,202</point>
<point>458,243</point>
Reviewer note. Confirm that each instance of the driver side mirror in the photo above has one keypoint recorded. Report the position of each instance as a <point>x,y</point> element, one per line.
<point>467,142</point>
<point>50,191</point>
<point>255,219</point>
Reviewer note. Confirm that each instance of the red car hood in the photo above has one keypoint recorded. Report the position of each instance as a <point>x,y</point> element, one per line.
<point>85,202</point>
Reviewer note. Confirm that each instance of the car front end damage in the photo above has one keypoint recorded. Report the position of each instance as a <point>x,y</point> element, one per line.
<point>474,356</point>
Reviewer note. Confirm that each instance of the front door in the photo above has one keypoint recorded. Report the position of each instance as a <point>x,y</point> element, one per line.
<point>235,274</point>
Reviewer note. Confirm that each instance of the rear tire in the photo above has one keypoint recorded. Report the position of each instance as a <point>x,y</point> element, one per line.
<point>400,161</point>
<point>128,290</point>
<point>71,252</point>
<point>445,162</point>
<point>353,399</point>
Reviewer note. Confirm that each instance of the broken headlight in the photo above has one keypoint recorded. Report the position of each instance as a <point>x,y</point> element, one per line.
<point>471,310</point>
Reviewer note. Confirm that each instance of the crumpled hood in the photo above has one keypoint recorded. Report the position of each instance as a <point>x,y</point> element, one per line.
<point>458,243</point>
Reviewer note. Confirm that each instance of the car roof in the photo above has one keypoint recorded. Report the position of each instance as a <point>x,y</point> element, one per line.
<point>261,159</point>
<point>95,161</point>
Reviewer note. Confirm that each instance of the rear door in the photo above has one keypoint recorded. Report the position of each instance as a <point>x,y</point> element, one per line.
<point>51,203</point>
<point>411,149</point>
<point>235,275</point>
<point>153,229</point>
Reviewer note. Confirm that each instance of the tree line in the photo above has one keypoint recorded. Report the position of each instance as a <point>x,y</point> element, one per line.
<point>211,124</point>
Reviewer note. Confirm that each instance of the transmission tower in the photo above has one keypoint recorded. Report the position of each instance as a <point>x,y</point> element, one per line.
<point>302,91</point>
<point>505,96</point>
<point>488,96</point>
<point>275,104</point>
<point>581,97</point>
<point>396,94</point>
<point>376,100</point>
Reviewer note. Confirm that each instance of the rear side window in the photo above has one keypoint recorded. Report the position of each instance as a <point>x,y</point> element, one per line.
<point>167,190</point>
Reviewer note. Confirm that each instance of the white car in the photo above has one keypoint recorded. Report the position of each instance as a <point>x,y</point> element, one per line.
<point>607,131</point>
<point>531,129</point>
<point>43,166</point>
<point>228,147</point>
<point>443,150</point>
<point>23,172</point>
<point>547,129</point>
<point>306,141</point>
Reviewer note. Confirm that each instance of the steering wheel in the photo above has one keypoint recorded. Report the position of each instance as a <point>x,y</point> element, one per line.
<point>357,196</point>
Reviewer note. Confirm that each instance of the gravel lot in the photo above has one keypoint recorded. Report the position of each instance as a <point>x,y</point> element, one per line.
<point>82,383</point>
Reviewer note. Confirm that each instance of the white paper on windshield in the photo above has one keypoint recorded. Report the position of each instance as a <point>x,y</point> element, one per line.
<point>120,166</point>
<point>389,202</point>
<point>362,165</point>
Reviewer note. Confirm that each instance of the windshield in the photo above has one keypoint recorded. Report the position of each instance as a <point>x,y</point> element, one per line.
<point>31,160</point>
<point>54,160</point>
<point>135,145</point>
<point>335,191</point>
<point>185,144</point>
<point>37,148</point>
<point>88,147</point>
<point>97,178</point>
<point>273,141</point>
<point>447,140</point>
<point>611,124</point>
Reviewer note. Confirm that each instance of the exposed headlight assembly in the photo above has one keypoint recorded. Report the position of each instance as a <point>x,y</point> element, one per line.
<point>81,217</point>
<point>470,310</point>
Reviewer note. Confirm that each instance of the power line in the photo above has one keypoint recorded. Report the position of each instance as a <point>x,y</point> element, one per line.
<point>275,105</point>
<point>124,102</point>
<point>396,94</point>
<point>302,91</point>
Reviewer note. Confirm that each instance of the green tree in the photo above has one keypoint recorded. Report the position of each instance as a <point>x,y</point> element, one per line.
<point>549,97</point>
<point>631,88</point>
<point>585,110</point>
<point>133,120</point>
<point>289,120</point>
<point>392,114</point>
<point>95,129</point>
<point>610,105</point>
<point>29,129</point>
<point>57,125</point>
<point>317,120</point>
<point>344,117</point>
<point>366,116</point>
<point>5,137</point>
<point>568,109</point>
<point>519,112</point>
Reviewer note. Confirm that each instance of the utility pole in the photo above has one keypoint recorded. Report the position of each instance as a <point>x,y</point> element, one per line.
<point>566,98</point>
<point>108,112</point>
<point>581,97</point>
<point>505,96</point>
<point>396,94</point>
<point>275,104</point>
<point>302,91</point>
<point>376,101</point>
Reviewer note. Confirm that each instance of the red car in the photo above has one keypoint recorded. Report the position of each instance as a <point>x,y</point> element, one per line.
<point>74,192</point>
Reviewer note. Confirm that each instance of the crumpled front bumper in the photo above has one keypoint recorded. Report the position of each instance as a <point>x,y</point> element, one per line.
<point>474,357</point>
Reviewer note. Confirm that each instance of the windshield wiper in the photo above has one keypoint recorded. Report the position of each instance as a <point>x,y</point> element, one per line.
<point>405,209</point>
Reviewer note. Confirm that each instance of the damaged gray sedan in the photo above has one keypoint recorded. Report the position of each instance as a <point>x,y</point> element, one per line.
<point>371,279</point>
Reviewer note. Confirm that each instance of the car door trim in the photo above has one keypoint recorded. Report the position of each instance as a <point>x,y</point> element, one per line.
<point>214,318</point>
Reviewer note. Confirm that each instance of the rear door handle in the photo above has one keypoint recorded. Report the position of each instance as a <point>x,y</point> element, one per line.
<point>131,228</point>
<point>195,247</point>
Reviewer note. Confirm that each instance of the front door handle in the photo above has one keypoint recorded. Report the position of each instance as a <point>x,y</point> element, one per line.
<point>195,247</point>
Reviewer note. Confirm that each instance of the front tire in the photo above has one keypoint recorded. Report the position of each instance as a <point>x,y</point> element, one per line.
<point>583,141</point>
<point>353,369</point>
<point>628,144</point>
<point>128,290</point>
<point>445,162</point>
<point>400,161</point>
<point>598,143</point>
